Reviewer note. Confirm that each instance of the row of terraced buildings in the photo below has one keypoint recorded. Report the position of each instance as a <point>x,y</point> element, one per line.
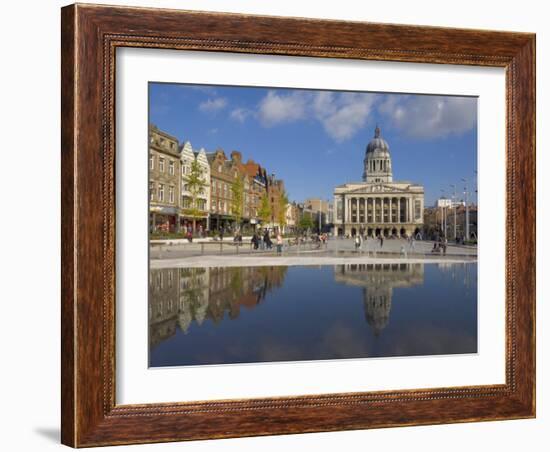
<point>172,206</point>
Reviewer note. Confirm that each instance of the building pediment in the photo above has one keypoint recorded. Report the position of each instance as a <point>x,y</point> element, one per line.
<point>376,188</point>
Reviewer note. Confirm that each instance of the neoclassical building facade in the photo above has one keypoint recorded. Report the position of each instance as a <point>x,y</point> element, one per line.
<point>378,205</point>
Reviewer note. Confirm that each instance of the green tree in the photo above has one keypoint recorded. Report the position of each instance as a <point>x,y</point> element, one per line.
<point>237,200</point>
<point>306,222</point>
<point>195,185</point>
<point>264,213</point>
<point>281,214</point>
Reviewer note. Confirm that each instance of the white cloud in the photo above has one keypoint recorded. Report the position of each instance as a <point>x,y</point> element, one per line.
<point>213,105</point>
<point>342,115</point>
<point>430,116</point>
<point>277,108</point>
<point>240,114</point>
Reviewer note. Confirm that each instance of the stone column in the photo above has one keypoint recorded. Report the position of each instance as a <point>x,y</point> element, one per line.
<point>399,210</point>
<point>369,200</point>
<point>344,209</point>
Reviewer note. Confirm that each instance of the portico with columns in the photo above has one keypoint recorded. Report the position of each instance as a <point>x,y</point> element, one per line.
<point>378,206</point>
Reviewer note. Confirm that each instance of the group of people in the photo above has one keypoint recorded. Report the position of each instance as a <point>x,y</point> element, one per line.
<point>440,246</point>
<point>264,241</point>
<point>360,239</point>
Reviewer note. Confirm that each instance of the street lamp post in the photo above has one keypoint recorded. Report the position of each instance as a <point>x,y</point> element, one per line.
<point>467,226</point>
<point>320,214</point>
<point>454,209</point>
<point>444,215</point>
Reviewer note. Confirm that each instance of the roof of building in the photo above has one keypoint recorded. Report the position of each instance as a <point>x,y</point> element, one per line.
<point>377,143</point>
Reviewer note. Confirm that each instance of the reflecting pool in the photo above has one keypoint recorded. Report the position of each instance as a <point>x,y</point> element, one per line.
<point>223,315</point>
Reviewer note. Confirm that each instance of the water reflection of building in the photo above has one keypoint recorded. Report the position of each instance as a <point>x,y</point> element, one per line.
<point>179,297</point>
<point>378,282</point>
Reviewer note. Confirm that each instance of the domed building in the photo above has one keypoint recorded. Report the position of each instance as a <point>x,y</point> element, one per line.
<point>377,205</point>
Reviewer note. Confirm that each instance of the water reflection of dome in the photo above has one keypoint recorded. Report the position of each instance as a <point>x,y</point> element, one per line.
<point>378,282</point>
<point>377,306</point>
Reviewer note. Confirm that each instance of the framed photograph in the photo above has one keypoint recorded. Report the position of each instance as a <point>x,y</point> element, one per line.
<point>281,225</point>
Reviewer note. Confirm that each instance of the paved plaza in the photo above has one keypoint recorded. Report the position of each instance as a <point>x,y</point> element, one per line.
<point>336,251</point>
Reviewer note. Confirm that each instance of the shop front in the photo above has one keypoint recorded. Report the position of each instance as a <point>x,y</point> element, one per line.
<point>163,219</point>
<point>200,229</point>
<point>222,222</point>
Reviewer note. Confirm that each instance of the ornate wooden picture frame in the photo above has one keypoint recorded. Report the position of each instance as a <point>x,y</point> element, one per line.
<point>90,37</point>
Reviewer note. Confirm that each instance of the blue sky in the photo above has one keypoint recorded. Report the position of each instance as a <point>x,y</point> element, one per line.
<point>315,140</point>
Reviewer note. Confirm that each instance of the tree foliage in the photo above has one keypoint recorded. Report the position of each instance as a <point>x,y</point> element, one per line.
<point>306,222</point>
<point>264,212</point>
<point>195,185</point>
<point>283,204</point>
<point>237,200</point>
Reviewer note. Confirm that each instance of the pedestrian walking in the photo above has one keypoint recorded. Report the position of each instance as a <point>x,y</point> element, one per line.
<point>255,241</point>
<point>411,243</point>
<point>267,240</point>
<point>381,240</point>
<point>279,243</point>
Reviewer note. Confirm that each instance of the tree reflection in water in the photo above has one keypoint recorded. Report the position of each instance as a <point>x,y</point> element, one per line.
<point>183,296</point>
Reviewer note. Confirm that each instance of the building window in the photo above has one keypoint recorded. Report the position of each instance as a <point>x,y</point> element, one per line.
<point>171,168</point>
<point>171,194</point>
<point>151,162</point>
<point>151,191</point>
<point>161,165</point>
<point>161,192</point>
<point>219,168</point>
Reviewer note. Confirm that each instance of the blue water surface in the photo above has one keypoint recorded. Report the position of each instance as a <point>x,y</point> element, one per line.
<point>267,314</point>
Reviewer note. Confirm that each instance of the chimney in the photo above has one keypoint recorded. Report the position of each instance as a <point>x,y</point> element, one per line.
<point>236,155</point>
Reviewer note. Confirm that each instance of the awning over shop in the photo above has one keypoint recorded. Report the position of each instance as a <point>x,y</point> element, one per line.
<point>163,210</point>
